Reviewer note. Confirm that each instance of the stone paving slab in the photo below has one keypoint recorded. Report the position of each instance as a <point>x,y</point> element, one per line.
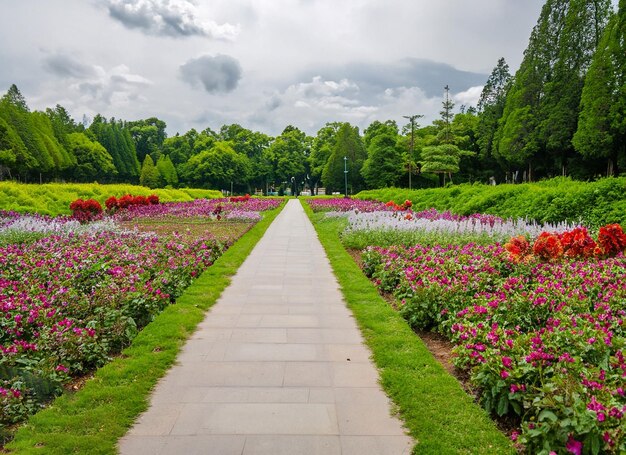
<point>278,366</point>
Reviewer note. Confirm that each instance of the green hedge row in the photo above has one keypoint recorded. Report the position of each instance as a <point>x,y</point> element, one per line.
<point>55,198</point>
<point>559,199</point>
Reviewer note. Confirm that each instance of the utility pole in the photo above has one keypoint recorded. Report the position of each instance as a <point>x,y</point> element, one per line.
<point>345,173</point>
<point>447,107</point>
<point>412,119</point>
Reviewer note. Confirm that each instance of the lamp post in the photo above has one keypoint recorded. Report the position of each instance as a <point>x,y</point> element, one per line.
<point>345,174</point>
<point>412,120</point>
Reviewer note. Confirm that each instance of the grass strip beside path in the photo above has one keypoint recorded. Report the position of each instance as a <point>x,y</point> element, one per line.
<point>92,420</point>
<point>438,414</point>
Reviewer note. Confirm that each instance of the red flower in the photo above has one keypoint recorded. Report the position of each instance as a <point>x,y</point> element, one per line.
<point>85,210</point>
<point>518,248</point>
<point>548,246</point>
<point>612,239</point>
<point>577,243</point>
<point>153,199</point>
<point>111,203</point>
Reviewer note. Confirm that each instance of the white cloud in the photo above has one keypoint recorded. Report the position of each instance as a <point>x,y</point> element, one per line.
<point>469,97</point>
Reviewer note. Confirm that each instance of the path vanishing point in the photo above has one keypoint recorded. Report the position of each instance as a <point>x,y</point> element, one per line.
<point>278,366</point>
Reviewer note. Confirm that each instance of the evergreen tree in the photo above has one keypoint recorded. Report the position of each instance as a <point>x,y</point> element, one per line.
<point>490,108</point>
<point>15,112</point>
<point>602,123</point>
<point>167,170</point>
<point>321,149</point>
<point>541,108</point>
<point>348,144</point>
<point>441,159</point>
<point>150,175</point>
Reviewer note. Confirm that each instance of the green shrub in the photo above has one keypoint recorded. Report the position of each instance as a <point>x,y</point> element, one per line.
<point>555,200</point>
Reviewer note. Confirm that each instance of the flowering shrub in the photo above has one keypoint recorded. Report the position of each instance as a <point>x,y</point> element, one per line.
<point>543,342</point>
<point>86,210</point>
<point>548,247</point>
<point>612,239</point>
<point>239,198</point>
<point>575,243</point>
<point>406,205</point>
<point>112,204</point>
<point>68,302</point>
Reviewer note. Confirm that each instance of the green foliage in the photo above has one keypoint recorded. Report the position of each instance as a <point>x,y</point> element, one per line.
<point>348,144</point>
<point>55,198</point>
<point>150,175</point>
<point>441,159</point>
<point>118,142</point>
<point>167,170</point>
<point>602,123</point>
<point>92,160</point>
<point>148,136</point>
<point>217,168</point>
<point>541,108</point>
<point>560,199</point>
<point>384,163</point>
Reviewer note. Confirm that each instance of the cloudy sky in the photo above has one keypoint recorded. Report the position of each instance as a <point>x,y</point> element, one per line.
<point>261,63</point>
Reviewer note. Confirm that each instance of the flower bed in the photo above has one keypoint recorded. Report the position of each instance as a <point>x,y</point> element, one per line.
<point>385,228</point>
<point>543,341</point>
<point>68,302</point>
<point>79,293</point>
<point>208,208</point>
<point>345,205</point>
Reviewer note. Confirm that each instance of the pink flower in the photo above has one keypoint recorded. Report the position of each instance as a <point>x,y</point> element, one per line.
<point>574,446</point>
<point>504,374</point>
<point>507,362</point>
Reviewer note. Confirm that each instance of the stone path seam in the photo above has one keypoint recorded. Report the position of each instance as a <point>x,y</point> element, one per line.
<point>278,366</point>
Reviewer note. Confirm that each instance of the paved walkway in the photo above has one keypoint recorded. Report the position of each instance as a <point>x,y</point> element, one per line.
<point>277,366</point>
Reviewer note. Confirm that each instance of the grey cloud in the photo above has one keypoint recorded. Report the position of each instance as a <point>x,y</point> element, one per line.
<point>216,74</point>
<point>66,66</point>
<point>174,18</point>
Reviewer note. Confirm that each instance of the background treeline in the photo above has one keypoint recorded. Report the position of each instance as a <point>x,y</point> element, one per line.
<point>562,114</point>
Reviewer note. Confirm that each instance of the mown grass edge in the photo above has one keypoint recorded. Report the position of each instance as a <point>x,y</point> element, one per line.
<point>436,411</point>
<point>93,419</point>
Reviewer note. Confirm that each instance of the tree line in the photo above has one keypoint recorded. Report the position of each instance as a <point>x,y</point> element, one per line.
<point>562,113</point>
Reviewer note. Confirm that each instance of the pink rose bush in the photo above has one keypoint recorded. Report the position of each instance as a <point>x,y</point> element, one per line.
<point>543,340</point>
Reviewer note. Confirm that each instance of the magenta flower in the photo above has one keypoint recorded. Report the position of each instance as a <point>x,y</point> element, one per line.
<point>574,446</point>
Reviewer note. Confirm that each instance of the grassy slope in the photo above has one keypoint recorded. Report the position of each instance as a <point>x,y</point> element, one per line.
<point>55,198</point>
<point>596,203</point>
<point>93,419</point>
<point>437,412</point>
